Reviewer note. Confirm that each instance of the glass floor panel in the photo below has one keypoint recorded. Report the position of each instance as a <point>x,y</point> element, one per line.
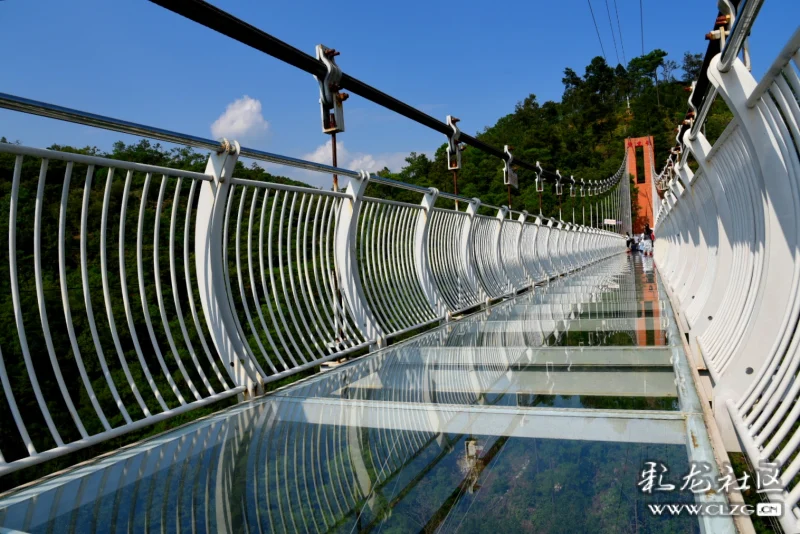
<point>510,376</point>
<point>554,333</point>
<point>574,311</point>
<point>502,421</point>
<point>268,469</point>
<point>645,337</point>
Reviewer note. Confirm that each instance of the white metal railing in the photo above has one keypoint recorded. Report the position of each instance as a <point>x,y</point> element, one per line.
<point>166,290</point>
<point>123,313</point>
<point>454,276</point>
<point>728,245</point>
<point>169,289</point>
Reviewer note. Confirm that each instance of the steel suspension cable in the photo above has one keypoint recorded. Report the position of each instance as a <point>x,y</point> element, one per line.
<point>223,22</point>
<point>641,23</point>
<point>619,27</point>
<point>597,29</point>
<point>613,36</point>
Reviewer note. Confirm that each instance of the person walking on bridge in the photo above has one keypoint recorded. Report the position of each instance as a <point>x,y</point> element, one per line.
<point>647,240</point>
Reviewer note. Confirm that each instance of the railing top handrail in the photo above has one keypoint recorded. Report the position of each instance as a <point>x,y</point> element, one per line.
<point>34,107</point>
<point>787,53</point>
<point>741,29</point>
<point>703,92</point>
<point>397,203</point>
<point>12,148</point>
<point>53,111</point>
<point>44,109</point>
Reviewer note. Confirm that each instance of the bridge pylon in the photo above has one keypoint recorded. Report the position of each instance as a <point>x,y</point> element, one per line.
<point>644,200</point>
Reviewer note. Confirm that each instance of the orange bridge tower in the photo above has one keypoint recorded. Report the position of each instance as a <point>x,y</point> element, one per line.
<point>642,176</point>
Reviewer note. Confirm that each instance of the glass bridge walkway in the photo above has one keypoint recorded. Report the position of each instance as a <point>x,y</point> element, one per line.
<point>541,413</point>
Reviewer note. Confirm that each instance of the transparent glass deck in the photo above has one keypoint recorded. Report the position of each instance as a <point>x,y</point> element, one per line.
<point>536,415</point>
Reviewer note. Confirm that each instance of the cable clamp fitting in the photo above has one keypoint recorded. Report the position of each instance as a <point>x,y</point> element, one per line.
<point>559,187</point>
<point>509,176</point>
<point>539,178</point>
<point>453,148</point>
<point>330,99</point>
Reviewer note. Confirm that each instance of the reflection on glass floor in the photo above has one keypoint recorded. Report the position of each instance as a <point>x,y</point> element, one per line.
<point>537,415</point>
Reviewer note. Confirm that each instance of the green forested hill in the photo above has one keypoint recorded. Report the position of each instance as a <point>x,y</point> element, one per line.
<point>582,135</point>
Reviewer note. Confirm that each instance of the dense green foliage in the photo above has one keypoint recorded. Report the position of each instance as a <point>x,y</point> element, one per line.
<point>582,135</point>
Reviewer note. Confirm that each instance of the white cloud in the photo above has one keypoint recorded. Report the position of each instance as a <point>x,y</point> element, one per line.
<point>241,119</point>
<point>322,154</point>
<point>355,161</point>
<point>394,161</point>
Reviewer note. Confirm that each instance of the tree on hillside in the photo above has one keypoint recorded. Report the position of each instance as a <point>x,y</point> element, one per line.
<point>581,135</point>
<point>691,67</point>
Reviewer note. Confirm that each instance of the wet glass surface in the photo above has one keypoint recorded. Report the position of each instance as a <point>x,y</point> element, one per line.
<point>519,419</point>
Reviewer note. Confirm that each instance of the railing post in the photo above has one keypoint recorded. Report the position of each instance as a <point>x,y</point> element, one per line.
<point>563,249</point>
<point>210,269</point>
<point>597,253</point>
<point>421,259</point>
<point>559,241</point>
<point>347,261</point>
<point>521,219</point>
<point>570,247</point>
<point>540,257</point>
<point>584,254</point>
<point>551,235</point>
<point>467,254</point>
<point>498,248</point>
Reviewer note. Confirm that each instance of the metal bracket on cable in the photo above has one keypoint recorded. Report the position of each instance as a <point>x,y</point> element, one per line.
<point>559,187</point>
<point>572,191</point>
<point>453,148</point>
<point>725,21</point>
<point>330,99</point>
<point>539,184</point>
<point>721,33</point>
<point>676,153</point>
<point>509,176</point>
<point>559,191</point>
<point>692,118</point>
<point>539,179</point>
<point>583,188</point>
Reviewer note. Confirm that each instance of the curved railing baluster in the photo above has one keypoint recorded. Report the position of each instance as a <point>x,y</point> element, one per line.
<point>728,245</point>
<point>277,279</point>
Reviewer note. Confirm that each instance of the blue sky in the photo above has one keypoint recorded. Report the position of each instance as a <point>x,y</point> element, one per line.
<point>136,61</point>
